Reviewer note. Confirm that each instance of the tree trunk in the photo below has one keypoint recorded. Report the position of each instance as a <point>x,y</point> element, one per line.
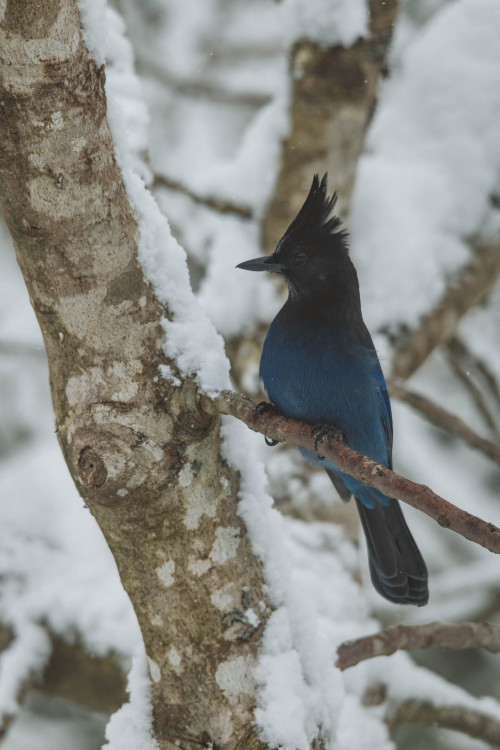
<point>333,96</point>
<point>144,455</point>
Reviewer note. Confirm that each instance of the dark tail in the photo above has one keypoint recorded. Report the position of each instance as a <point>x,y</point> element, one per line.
<point>397,569</point>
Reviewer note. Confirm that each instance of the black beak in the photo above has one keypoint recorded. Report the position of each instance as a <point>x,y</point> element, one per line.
<point>267,263</point>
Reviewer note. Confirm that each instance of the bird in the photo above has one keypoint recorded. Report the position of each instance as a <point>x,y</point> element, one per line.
<point>319,365</point>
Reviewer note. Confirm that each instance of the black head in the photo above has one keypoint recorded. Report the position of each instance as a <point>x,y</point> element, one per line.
<point>312,256</point>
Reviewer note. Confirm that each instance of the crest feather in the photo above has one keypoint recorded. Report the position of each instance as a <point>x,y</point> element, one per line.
<point>315,222</point>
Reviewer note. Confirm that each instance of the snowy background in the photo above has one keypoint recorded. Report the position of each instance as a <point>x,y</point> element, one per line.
<point>204,118</point>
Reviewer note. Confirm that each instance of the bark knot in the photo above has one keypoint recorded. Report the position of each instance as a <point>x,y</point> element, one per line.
<point>92,468</point>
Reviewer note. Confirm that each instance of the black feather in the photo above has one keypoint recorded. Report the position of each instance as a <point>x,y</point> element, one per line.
<point>314,223</point>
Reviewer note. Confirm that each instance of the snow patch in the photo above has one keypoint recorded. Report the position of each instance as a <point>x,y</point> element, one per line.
<point>130,728</point>
<point>327,22</point>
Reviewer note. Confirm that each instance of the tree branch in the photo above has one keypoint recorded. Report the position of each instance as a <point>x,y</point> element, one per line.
<point>407,637</point>
<point>470,286</point>
<point>463,719</point>
<point>202,87</point>
<point>462,362</point>
<point>221,205</point>
<point>369,472</point>
<point>445,420</point>
<point>145,458</point>
<point>333,97</point>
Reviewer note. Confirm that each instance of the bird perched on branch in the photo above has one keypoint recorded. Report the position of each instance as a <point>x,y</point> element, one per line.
<point>319,365</point>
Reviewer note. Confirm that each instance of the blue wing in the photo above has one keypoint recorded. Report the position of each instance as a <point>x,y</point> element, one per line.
<point>385,413</point>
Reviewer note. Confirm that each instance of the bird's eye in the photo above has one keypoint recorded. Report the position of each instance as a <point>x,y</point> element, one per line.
<point>300,257</point>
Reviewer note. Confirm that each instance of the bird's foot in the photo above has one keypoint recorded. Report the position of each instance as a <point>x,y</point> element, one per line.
<point>322,431</point>
<point>262,408</point>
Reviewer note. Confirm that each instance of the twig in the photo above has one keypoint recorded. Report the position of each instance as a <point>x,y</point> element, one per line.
<point>461,361</point>
<point>407,637</point>
<point>217,204</point>
<point>445,420</point>
<point>459,718</point>
<point>470,286</point>
<point>202,88</point>
<point>488,377</point>
<point>362,468</point>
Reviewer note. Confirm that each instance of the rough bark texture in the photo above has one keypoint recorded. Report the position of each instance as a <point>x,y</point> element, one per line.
<point>333,97</point>
<point>143,454</point>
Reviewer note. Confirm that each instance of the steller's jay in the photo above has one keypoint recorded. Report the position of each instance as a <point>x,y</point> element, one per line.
<point>319,365</point>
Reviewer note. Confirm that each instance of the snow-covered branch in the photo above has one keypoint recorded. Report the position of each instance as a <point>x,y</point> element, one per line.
<point>468,288</point>
<point>146,459</point>
<point>221,205</point>
<point>335,66</point>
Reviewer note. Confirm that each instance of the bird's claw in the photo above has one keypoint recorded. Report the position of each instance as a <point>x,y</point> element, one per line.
<point>270,442</point>
<point>264,406</point>
<point>321,431</point>
<point>261,409</point>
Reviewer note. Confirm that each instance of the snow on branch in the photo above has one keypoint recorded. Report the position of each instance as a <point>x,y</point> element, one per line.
<point>282,429</point>
<point>221,205</point>
<point>407,637</point>
<point>20,663</point>
<point>468,288</point>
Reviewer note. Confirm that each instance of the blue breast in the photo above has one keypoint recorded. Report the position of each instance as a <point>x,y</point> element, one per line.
<point>321,374</point>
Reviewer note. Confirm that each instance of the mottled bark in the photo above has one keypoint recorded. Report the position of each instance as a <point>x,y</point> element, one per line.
<point>144,455</point>
<point>333,96</point>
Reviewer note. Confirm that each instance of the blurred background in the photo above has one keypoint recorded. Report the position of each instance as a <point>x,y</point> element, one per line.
<point>233,106</point>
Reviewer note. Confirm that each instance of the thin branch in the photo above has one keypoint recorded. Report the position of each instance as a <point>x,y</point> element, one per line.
<point>407,637</point>
<point>463,719</point>
<point>445,420</point>
<point>462,362</point>
<point>488,376</point>
<point>217,204</point>
<point>362,468</point>
<point>202,88</point>
<point>471,286</point>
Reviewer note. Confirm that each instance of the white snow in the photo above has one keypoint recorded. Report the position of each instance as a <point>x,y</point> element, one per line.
<point>191,339</point>
<point>432,161</point>
<point>327,22</point>
<point>23,659</point>
<point>300,691</point>
<point>130,728</point>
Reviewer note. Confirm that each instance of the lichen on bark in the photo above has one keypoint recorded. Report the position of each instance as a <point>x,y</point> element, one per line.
<point>145,455</point>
